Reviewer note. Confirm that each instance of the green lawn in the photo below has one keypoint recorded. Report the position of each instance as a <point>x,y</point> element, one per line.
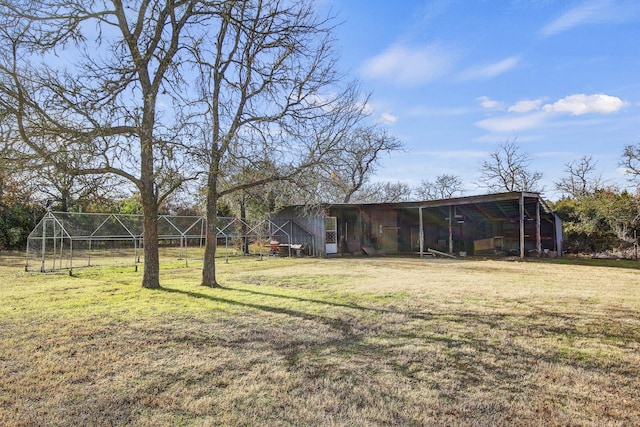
<point>345,341</point>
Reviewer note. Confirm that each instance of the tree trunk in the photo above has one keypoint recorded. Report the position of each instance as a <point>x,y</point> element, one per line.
<point>64,201</point>
<point>243,217</point>
<point>151,276</point>
<point>211,242</point>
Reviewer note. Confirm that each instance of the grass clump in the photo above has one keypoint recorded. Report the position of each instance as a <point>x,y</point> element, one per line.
<point>382,341</point>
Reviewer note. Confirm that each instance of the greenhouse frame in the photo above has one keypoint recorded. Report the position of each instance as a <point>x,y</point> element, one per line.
<point>67,240</point>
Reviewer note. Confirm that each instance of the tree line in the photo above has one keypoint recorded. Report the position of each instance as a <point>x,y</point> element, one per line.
<point>597,217</point>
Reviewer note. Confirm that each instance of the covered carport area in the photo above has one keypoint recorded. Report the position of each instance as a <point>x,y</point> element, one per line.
<point>514,223</point>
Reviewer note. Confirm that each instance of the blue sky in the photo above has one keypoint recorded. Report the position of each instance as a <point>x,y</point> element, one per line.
<point>453,79</point>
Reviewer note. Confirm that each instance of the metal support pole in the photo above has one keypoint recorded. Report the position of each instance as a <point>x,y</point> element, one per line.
<point>55,248</point>
<point>186,253</point>
<point>26,261</point>
<point>202,235</point>
<point>421,232</point>
<point>61,248</point>
<point>522,225</point>
<point>450,230</point>
<point>70,256</point>
<point>291,234</point>
<point>538,233</point>
<point>44,244</point>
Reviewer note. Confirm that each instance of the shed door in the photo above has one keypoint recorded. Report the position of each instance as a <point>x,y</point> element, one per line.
<point>331,234</point>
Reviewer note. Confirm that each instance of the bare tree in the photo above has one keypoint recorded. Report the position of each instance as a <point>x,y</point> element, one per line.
<point>383,192</point>
<point>579,180</point>
<point>443,187</point>
<point>154,90</point>
<point>84,192</point>
<point>631,160</point>
<point>344,175</point>
<point>507,169</point>
<point>356,160</point>
<point>270,96</point>
<point>91,78</point>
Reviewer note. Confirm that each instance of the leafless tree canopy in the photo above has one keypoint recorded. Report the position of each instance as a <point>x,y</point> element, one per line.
<point>580,179</point>
<point>348,170</point>
<point>249,80</point>
<point>631,161</point>
<point>163,92</point>
<point>383,192</point>
<point>508,169</point>
<point>443,187</point>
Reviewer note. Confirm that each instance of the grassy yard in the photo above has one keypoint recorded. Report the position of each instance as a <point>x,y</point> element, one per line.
<point>323,342</point>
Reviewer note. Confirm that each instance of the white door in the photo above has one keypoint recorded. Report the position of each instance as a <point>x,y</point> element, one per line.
<point>331,235</point>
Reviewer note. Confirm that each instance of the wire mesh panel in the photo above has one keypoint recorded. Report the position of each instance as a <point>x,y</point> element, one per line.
<point>67,240</point>
<point>50,245</point>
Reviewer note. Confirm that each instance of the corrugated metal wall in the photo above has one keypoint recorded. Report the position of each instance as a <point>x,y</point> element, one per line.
<point>290,226</point>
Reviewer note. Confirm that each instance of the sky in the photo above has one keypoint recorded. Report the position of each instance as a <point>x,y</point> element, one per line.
<point>453,79</point>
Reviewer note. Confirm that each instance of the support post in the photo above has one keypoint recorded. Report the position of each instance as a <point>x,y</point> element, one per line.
<point>70,256</point>
<point>538,233</point>
<point>521,225</point>
<point>421,232</point>
<point>54,242</point>
<point>135,252</point>
<point>44,243</point>
<point>186,252</point>
<point>450,230</point>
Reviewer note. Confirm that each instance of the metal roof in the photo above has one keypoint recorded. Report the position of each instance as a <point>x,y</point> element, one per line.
<point>494,207</point>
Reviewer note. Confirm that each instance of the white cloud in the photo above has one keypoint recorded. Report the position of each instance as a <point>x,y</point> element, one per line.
<point>506,124</point>
<point>387,119</point>
<point>409,66</point>
<point>426,111</point>
<point>367,108</point>
<point>489,71</point>
<point>593,12</point>
<point>489,104</point>
<point>576,16</point>
<point>525,106</point>
<point>584,104</point>
<point>530,115</point>
<point>492,138</point>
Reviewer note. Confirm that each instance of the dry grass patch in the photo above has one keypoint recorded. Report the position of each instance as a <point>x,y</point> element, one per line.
<point>323,342</point>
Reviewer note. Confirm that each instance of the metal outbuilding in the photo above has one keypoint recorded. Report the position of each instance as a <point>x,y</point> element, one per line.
<point>513,223</point>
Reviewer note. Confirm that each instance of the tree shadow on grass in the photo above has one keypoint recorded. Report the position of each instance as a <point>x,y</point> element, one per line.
<point>334,323</point>
<point>453,354</point>
<point>315,301</point>
<point>458,317</point>
<point>542,323</point>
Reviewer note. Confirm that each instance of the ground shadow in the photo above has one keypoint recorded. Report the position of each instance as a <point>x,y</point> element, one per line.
<point>333,323</point>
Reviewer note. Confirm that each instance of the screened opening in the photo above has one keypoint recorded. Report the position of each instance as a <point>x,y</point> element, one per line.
<point>67,240</point>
